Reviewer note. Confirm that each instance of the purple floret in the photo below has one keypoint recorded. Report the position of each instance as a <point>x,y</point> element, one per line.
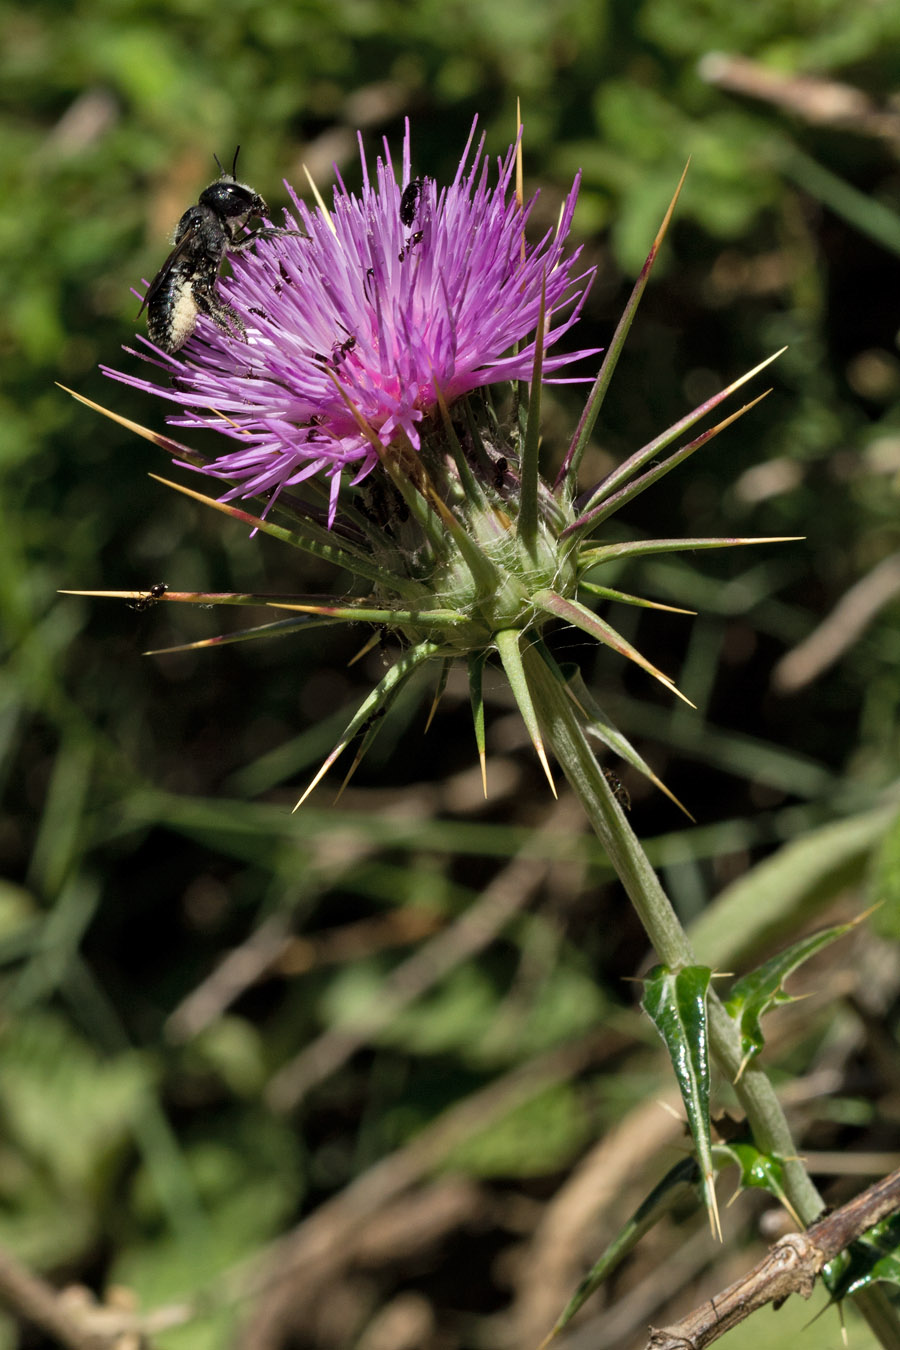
<point>374,313</point>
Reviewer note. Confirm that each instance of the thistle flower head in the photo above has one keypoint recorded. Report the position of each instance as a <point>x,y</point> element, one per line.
<point>389,337</point>
<point>401,295</point>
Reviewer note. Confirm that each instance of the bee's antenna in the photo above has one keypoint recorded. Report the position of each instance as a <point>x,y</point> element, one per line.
<point>222,170</point>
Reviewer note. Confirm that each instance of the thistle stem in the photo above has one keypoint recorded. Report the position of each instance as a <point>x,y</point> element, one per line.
<point>566,738</point>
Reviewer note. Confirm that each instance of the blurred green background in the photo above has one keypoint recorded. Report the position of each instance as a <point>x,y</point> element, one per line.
<point>172,939</point>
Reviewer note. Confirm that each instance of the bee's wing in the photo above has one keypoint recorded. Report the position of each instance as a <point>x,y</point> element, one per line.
<point>182,247</point>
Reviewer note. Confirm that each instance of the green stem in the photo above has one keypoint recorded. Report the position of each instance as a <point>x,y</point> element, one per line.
<point>767,1120</point>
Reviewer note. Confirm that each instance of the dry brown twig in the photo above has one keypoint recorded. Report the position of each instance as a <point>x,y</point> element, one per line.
<point>790,1267</point>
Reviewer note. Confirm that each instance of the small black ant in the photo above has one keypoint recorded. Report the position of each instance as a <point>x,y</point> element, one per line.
<point>142,602</point>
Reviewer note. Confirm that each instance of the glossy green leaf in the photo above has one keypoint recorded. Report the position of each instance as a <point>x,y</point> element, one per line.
<point>675,1000</point>
<point>756,993</point>
<point>759,1171</point>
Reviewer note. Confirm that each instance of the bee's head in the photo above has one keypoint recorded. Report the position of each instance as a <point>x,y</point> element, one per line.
<point>233,202</point>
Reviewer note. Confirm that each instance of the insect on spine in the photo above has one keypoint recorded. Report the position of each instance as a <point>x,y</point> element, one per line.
<point>142,602</point>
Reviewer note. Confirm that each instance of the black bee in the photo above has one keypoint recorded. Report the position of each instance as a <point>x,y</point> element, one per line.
<point>185,285</point>
<point>409,202</point>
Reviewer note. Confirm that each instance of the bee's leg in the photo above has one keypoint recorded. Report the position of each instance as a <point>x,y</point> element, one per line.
<point>267,232</point>
<point>222,315</point>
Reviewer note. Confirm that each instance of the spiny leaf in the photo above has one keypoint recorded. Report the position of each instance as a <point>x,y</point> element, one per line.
<point>756,993</point>
<point>759,1171</point>
<point>438,693</point>
<point>408,475</point>
<point>623,598</point>
<point>320,201</point>
<point>470,484</point>
<point>873,1257</point>
<point>281,628</point>
<point>357,611</point>
<point>527,522</point>
<point>162,442</point>
<point>142,599</point>
<point>206,598</point>
<point>676,1003</point>
<point>435,517</point>
<point>362,613</point>
<point>367,647</point>
<point>369,734</point>
<point>285,504</point>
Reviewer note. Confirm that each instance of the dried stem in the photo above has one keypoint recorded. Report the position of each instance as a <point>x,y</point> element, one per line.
<point>790,1267</point>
